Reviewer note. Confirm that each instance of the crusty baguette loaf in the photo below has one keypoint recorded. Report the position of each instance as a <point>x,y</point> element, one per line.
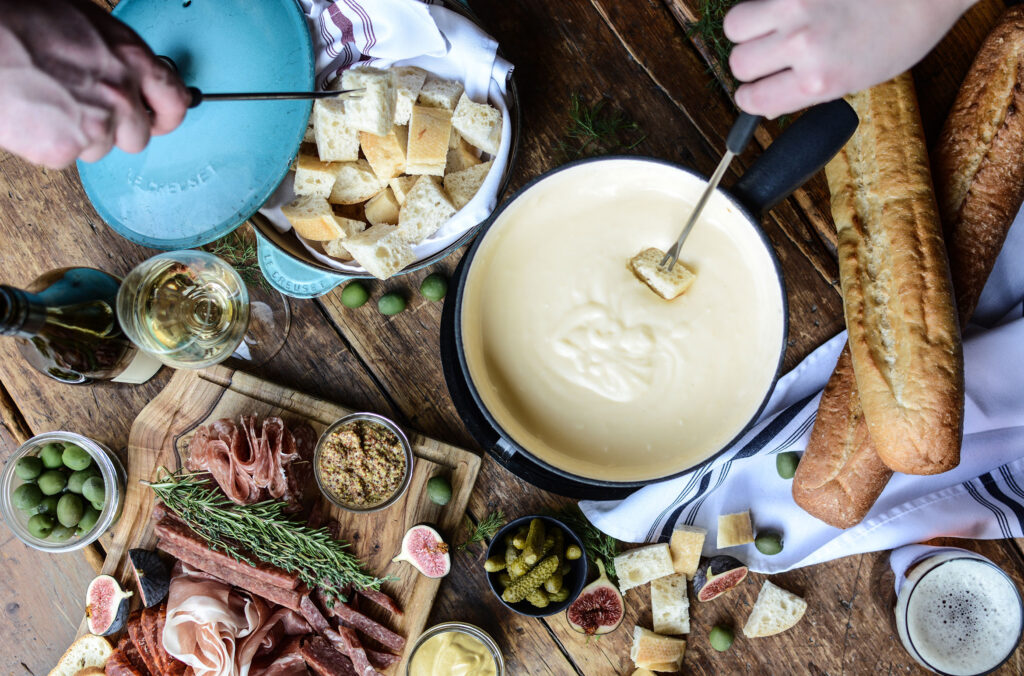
<point>897,295</point>
<point>979,182</point>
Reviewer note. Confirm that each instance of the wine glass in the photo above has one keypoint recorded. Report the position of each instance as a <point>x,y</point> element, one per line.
<point>191,309</point>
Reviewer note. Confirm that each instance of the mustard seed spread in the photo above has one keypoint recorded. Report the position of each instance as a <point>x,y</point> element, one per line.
<point>362,464</point>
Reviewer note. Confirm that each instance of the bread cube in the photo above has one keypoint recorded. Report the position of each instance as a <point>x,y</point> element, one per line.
<point>408,83</point>
<point>670,606</point>
<point>425,210</point>
<point>313,177</point>
<point>336,139</point>
<point>374,111</point>
<point>383,208</point>
<point>775,611</point>
<point>439,93</point>
<point>686,545</point>
<point>386,154</point>
<point>734,530</point>
<point>656,652</point>
<point>309,136</point>
<point>355,182</point>
<point>429,130</point>
<point>478,123</point>
<point>646,267</point>
<point>640,566</point>
<point>462,185</point>
<point>313,219</point>
<point>336,247</point>
<point>381,249</point>
<point>461,156</point>
<point>401,185</point>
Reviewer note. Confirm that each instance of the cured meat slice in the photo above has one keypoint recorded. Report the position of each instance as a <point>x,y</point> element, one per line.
<point>381,660</point>
<point>346,641</point>
<point>366,625</point>
<point>118,665</point>
<point>214,449</point>
<point>131,653</point>
<point>312,614</point>
<point>381,599</point>
<point>287,662</point>
<point>324,660</point>
<point>140,633</point>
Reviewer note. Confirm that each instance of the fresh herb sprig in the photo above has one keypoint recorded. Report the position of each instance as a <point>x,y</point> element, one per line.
<point>239,249</point>
<point>708,29</point>
<point>485,529</point>
<point>268,535</point>
<point>596,544</point>
<point>595,130</point>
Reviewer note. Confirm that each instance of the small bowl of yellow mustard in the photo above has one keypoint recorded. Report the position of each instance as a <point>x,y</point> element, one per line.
<point>455,648</point>
<point>363,462</point>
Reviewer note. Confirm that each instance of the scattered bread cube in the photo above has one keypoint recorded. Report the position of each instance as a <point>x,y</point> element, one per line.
<point>775,611</point>
<point>461,156</point>
<point>381,250</point>
<point>374,111</point>
<point>734,530</point>
<point>425,210</point>
<point>686,545</point>
<point>640,566</point>
<point>656,652</point>
<point>383,208</point>
<point>408,83</point>
<point>401,185</point>
<point>478,123</point>
<point>429,130</point>
<point>355,182</point>
<point>462,185</point>
<point>646,267</point>
<point>309,136</point>
<point>336,139</point>
<point>670,605</point>
<point>386,154</point>
<point>440,93</point>
<point>313,177</point>
<point>315,220</point>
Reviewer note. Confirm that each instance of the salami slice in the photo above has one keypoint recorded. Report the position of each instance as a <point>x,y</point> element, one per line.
<point>324,660</point>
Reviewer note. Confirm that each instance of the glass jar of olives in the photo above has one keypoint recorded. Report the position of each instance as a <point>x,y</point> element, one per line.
<point>60,491</point>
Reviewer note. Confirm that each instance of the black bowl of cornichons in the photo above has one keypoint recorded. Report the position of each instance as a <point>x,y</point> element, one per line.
<point>536,566</point>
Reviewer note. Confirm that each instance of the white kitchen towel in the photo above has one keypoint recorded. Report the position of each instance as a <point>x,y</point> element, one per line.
<point>383,33</point>
<point>982,498</point>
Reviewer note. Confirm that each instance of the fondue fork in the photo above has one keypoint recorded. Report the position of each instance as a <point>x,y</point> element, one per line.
<point>739,137</point>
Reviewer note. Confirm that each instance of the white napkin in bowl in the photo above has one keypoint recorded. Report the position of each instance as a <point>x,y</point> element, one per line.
<point>383,33</point>
<point>983,498</point>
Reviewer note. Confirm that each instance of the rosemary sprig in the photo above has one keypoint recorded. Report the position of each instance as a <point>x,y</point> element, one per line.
<point>484,529</point>
<point>266,534</point>
<point>594,130</point>
<point>239,249</point>
<point>597,544</point>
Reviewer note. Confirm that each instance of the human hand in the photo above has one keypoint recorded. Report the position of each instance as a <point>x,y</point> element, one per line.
<point>796,53</point>
<point>75,82</point>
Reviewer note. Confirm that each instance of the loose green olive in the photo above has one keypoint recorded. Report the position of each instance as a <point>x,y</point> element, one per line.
<point>768,543</point>
<point>61,533</point>
<point>93,489</point>
<point>720,638</point>
<point>434,287</point>
<point>52,456</point>
<point>52,482</point>
<point>48,505</point>
<point>28,468</point>
<point>785,464</point>
<point>354,295</point>
<point>27,497</point>
<point>40,525</point>
<point>390,304</point>
<point>77,479</point>
<point>70,509</point>
<point>75,457</point>
<point>88,520</point>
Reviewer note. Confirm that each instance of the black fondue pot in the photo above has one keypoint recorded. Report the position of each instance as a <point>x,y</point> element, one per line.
<point>799,153</point>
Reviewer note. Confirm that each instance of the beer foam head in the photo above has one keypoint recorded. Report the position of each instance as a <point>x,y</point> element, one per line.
<point>964,617</point>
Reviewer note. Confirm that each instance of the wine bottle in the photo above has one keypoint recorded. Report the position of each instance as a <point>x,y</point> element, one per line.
<point>65,324</point>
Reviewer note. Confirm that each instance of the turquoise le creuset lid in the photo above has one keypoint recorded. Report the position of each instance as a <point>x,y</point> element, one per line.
<point>207,177</point>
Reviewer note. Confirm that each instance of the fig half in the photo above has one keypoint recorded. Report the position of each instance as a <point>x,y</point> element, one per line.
<point>151,576</point>
<point>106,606</point>
<point>426,550</point>
<point>598,609</point>
<point>716,576</point>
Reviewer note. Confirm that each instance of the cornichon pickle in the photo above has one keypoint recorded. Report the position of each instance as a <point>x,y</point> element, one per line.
<point>559,596</point>
<point>553,583</point>
<point>494,564</point>
<point>511,554</point>
<point>573,552</point>
<point>566,568</point>
<point>518,568</point>
<point>519,539</point>
<point>505,579</point>
<point>522,586</point>
<point>534,542</point>
<point>538,599</point>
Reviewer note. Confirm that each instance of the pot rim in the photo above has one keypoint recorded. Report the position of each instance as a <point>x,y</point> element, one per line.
<point>460,351</point>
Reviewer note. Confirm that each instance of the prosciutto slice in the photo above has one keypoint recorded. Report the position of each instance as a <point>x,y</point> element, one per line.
<point>218,630</point>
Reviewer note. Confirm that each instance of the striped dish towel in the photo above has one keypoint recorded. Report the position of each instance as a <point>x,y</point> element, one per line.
<point>983,498</point>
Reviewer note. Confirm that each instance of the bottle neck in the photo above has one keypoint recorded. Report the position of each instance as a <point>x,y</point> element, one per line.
<point>20,315</point>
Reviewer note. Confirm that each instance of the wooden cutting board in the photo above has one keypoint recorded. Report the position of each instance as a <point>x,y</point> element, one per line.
<point>159,438</point>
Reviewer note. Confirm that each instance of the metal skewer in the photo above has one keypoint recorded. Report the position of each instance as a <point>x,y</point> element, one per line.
<point>198,96</point>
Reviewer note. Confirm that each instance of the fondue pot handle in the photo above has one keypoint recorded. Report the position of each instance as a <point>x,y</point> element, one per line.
<point>796,155</point>
<point>291,277</point>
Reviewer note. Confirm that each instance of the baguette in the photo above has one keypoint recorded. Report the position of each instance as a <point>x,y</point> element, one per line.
<point>897,295</point>
<point>980,187</point>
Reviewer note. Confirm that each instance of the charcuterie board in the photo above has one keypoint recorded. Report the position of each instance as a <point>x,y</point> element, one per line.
<point>159,438</point>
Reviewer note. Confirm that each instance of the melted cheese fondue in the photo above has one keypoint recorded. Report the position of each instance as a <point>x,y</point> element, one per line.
<point>586,367</point>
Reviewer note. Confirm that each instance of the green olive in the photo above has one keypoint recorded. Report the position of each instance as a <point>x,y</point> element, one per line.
<point>52,456</point>
<point>785,464</point>
<point>720,638</point>
<point>40,525</point>
<point>48,505</point>
<point>93,489</point>
<point>434,287</point>
<point>77,479</point>
<point>390,304</point>
<point>52,481</point>
<point>88,520</point>
<point>62,533</point>
<point>27,497</point>
<point>354,295</point>
<point>75,457</point>
<point>768,543</point>
<point>70,509</point>
<point>28,468</point>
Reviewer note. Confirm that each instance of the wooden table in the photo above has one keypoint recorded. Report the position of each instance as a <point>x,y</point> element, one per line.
<point>636,54</point>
